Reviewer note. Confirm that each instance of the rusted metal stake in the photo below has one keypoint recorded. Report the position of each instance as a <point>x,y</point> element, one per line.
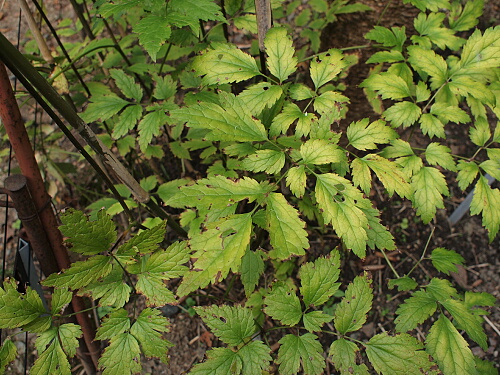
<point>18,137</point>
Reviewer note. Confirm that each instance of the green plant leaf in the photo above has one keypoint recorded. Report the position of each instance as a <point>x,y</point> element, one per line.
<point>60,299</point>
<point>150,126</point>
<point>283,304</point>
<point>349,222</point>
<point>399,354</point>
<point>431,26</point>
<point>351,312</point>
<point>318,279</point>
<point>296,179</point>
<point>260,96</point>
<point>252,267</point>
<point>452,113</point>
<point>148,329</point>
<point>103,107</point>
<point>388,85</point>
<point>218,191</point>
<point>326,66</point>
<point>279,48</point>
<point>229,121</point>
<point>415,310</point>
<point>286,229</point>
<point>314,320</point>
<point>441,289</point>
<point>153,287</point>
<point>218,249</point>
<point>81,273</point>
<point>299,91</point>
<point>145,242</point>
<point>437,154</point>
<point>378,235</point>
<point>365,136</point>
<point>165,87</point>
<point>126,84</point>
<point>88,237</point>
<point>283,120</point>
<point>487,201</point>
<point>8,352</point>
<point>330,103</point>
<point>446,260</point>
<point>127,121</point>
<point>17,310</point>
<point>154,30</point>
<point>429,186</point>
<point>297,350</point>
<point>319,151</point>
<point>480,53</point>
<point>68,334</point>
<point>270,161</point>
<point>466,321</point>
<point>231,324</point>
<point>449,349</point>
<point>467,172</point>
<point>343,355</point>
<point>361,175</point>
<point>395,37</point>
<point>219,361</point>
<point>404,283</point>
<point>111,290</point>
<point>224,63</point>
<point>389,174</point>
<point>122,356</point>
<point>403,114</point>
<point>117,322</point>
<point>466,17</point>
<point>52,360</point>
<point>385,56</point>
<point>205,10</point>
<point>255,357</point>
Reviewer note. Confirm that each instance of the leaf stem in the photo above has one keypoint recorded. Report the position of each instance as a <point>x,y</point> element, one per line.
<point>423,253</point>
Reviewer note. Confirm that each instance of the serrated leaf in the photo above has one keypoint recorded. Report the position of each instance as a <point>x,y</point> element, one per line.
<point>487,201</point>
<point>153,287</point>
<point>437,154</point>
<point>17,310</point>
<point>378,235</point>
<point>404,283</point>
<point>480,52</point>
<point>343,355</point>
<point>388,85</point>
<point>441,289</point>
<point>388,38</point>
<point>297,350</point>
<point>154,30</point>
<point>451,113</point>
<point>229,121</point>
<point>319,279</point>
<point>117,322</point>
<point>283,120</point>
<point>449,349</point>
<point>467,17</point>
<point>446,260</point>
<point>60,299</point>
<point>283,304</point>
<point>467,172</point>
<point>365,136</point>
<point>103,107</point>
<point>361,175</point>
<point>402,114</point>
<point>127,121</point>
<point>218,249</point>
<point>165,87</point>
<point>314,320</point>
<point>205,10</point>
<point>260,96</point>
<point>319,151</point>
<point>385,56</point>
<point>219,361</point>
<point>399,354</point>
<point>351,312</point>
<point>279,48</point>
<point>415,310</point>
<point>431,26</point>
<point>252,267</point>
<point>52,361</point>
<point>349,222</point>
<point>492,167</point>
<point>88,237</point>
<point>68,334</point>
<point>466,321</point>
<point>326,66</point>
<point>122,356</point>
<point>8,352</point>
<point>299,91</point>
<point>225,63</point>
<point>389,174</point>
<point>270,161</point>
<point>431,126</point>
<point>330,103</point>
<point>148,329</point>
<point>81,273</point>
<point>231,324</point>
<point>218,191</point>
<point>296,179</point>
<point>429,186</point>
<point>286,229</point>
<point>110,290</point>
<point>480,132</point>
<point>255,357</point>
<point>126,84</point>
<point>150,126</point>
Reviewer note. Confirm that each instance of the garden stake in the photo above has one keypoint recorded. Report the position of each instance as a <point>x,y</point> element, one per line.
<point>18,137</point>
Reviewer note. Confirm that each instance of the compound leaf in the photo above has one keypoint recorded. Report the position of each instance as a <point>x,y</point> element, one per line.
<point>415,310</point>
<point>279,48</point>
<point>285,228</point>
<point>122,356</point>
<point>297,350</point>
<point>219,361</point>
<point>449,349</point>
<point>60,299</point>
<point>361,175</point>
<point>88,237</point>
<point>231,324</point>
<point>283,304</point>
<point>351,312</point>
<point>429,186</point>
<point>148,329</point>
<point>255,357</point>
<point>52,360</point>
<point>117,322</point>
<point>343,355</point>
<point>446,260</point>
<point>437,154</point>
<point>487,201</point>
<point>314,320</point>
<point>399,354</point>
<point>127,120</point>
<point>365,137</point>
<point>467,172</point>
<point>318,279</point>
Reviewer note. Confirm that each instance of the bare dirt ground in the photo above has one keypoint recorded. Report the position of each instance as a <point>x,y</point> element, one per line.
<point>482,271</point>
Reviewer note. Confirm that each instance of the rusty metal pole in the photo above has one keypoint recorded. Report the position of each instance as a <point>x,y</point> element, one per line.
<point>18,137</point>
